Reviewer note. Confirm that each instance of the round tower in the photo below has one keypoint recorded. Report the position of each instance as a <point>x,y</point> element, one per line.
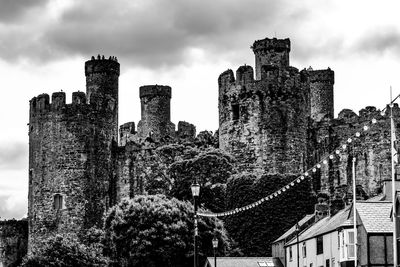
<point>263,124</point>
<point>274,52</point>
<point>102,87</point>
<point>321,93</point>
<point>155,120</point>
<point>71,155</point>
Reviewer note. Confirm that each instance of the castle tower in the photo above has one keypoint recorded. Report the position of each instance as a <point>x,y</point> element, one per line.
<point>271,52</point>
<point>321,93</point>
<point>263,122</point>
<point>155,112</point>
<point>71,155</point>
<point>102,86</point>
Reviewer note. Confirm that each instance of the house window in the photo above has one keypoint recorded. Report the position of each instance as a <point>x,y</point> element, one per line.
<point>327,263</point>
<point>290,254</point>
<point>304,248</point>
<point>320,245</point>
<point>58,202</point>
<point>350,244</point>
<point>235,112</point>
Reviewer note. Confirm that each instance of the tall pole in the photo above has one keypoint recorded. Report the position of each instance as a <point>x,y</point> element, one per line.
<point>354,211</point>
<point>215,259</point>
<point>393,152</point>
<point>297,239</point>
<point>196,232</point>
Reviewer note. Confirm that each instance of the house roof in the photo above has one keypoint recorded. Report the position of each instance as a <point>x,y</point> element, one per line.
<point>325,225</point>
<point>244,262</point>
<point>379,197</point>
<point>293,228</point>
<point>375,216</point>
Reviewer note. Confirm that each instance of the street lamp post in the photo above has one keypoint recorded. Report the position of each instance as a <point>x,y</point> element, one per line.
<point>215,246</point>
<point>195,192</point>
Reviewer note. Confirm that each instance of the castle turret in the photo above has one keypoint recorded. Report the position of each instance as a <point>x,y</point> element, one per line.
<point>155,120</point>
<point>272,52</point>
<point>71,155</point>
<point>321,93</point>
<point>102,86</point>
<point>263,122</point>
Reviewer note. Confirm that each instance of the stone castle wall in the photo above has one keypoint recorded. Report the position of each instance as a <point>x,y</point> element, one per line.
<point>371,149</point>
<point>278,123</point>
<point>13,242</point>
<point>70,155</point>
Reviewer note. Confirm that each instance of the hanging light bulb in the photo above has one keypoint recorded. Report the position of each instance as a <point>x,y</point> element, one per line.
<point>302,177</point>
<point>306,173</point>
<point>318,165</point>
<point>292,183</point>
<point>349,140</point>
<point>373,120</point>
<point>344,146</point>
<point>314,169</point>
<point>325,161</point>
<point>337,151</point>
<point>365,127</point>
<point>358,134</point>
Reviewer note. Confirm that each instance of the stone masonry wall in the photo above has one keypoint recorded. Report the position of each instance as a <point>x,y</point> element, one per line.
<point>264,123</point>
<point>155,120</point>
<point>13,242</point>
<point>321,93</point>
<point>71,155</point>
<point>371,149</point>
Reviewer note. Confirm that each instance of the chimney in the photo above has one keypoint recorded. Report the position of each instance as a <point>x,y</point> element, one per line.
<point>387,188</point>
<point>322,207</point>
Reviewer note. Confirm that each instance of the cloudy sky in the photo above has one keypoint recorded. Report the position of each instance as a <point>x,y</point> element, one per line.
<point>185,44</point>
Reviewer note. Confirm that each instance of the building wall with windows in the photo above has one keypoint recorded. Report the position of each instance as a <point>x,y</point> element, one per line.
<point>311,255</point>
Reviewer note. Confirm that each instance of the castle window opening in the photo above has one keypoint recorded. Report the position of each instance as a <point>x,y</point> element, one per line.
<point>58,202</point>
<point>235,112</point>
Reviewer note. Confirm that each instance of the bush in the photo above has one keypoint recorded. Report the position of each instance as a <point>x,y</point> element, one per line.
<point>156,231</point>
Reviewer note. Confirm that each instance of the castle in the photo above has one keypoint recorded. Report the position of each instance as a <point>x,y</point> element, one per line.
<point>280,121</point>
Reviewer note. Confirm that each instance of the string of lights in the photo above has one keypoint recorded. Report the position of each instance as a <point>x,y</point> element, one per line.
<point>325,160</point>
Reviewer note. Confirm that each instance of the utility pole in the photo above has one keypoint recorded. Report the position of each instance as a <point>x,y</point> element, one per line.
<point>354,212</point>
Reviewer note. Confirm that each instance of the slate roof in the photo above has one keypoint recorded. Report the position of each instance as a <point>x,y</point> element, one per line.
<point>375,216</point>
<point>244,262</point>
<point>293,228</point>
<point>325,225</point>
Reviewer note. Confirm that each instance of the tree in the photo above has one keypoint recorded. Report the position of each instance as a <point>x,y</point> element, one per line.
<point>154,230</point>
<point>257,228</point>
<point>66,250</point>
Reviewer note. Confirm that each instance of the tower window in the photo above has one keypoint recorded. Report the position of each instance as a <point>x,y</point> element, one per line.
<point>58,202</point>
<point>235,112</point>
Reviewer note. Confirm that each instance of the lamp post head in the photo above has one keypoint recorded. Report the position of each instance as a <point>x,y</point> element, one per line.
<point>215,242</point>
<point>195,189</point>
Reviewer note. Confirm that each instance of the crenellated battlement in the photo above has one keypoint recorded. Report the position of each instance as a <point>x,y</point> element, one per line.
<point>244,74</point>
<point>274,44</point>
<point>324,76</point>
<point>155,90</point>
<point>102,65</point>
<point>41,104</point>
<point>368,113</point>
<point>226,78</point>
